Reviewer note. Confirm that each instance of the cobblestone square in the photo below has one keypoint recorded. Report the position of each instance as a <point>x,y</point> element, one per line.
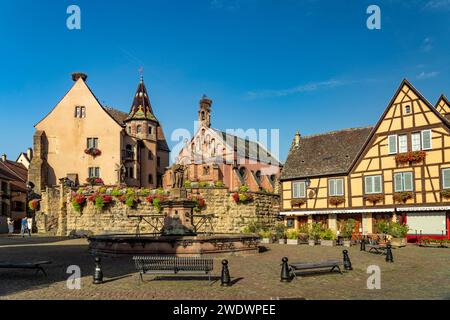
<point>417,273</point>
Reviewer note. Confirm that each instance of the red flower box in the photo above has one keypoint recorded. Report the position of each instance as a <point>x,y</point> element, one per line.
<point>414,156</point>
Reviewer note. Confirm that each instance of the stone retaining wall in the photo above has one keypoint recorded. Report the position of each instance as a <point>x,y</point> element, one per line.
<point>58,217</point>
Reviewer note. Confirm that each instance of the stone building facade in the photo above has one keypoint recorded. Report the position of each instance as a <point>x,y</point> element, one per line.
<point>80,139</point>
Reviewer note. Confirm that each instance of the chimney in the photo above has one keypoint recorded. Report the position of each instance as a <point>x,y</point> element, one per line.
<point>78,75</point>
<point>4,157</point>
<point>30,154</point>
<point>297,139</point>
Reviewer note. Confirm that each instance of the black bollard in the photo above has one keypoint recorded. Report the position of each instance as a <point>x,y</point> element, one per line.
<point>285,274</point>
<point>98,274</point>
<point>389,256</point>
<point>226,279</point>
<point>363,244</point>
<point>347,262</point>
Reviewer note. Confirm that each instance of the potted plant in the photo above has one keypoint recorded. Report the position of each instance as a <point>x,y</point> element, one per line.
<point>280,232</point>
<point>328,238</point>
<point>292,237</point>
<point>314,233</point>
<point>398,233</point>
<point>347,231</point>
<point>266,236</point>
<point>303,231</point>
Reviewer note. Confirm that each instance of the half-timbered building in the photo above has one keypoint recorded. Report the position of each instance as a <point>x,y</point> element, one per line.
<point>397,170</point>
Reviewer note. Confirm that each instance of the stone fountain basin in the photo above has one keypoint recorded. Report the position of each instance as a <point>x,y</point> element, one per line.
<point>119,244</point>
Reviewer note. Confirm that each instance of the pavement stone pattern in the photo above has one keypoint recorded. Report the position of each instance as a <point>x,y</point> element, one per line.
<point>417,273</point>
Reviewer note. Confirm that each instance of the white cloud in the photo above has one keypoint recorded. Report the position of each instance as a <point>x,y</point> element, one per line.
<point>312,86</point>
<point>427,75</point>
<point>438,4</point>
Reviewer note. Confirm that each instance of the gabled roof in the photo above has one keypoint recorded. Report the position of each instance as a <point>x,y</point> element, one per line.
<point>17,173</point>
<point>247,149</point>
<point>330,153</point>
<point>141,108</point>
<point>337,152</point>
<point>411,87</point>
<point>443,106</point>
<point>117,115</point>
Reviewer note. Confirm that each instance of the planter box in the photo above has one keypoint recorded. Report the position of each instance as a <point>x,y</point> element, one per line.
<point>311,242</point>
<point>266,240</point>
<point>282,241</point>
<point>399,242</point>
<point>293,241</point>
<point>347,243</point>
<point>328,243</point>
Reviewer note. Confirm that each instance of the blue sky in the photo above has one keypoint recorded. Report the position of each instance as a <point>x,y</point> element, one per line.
<point>311,66</point>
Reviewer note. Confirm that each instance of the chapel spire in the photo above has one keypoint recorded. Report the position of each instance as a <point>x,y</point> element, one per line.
<point>141,108</point>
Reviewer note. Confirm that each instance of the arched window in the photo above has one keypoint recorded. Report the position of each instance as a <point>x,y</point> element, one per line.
<point>258,175</point>
<point>203,115</point>
<point>150,130</point>
<point>273,178</point>
<point>213,147</point>
<point>139,129</point>
<point>242,171</point>
<point>129,130</point>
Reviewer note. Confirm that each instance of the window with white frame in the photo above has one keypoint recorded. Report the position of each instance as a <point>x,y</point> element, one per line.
<point>392,142</point>
<point>80,112</point>
<point>298,189</point>
<point>94,172</point>
<point>403,143</point>
<point>403,182</point>
<point>416,141</point>
<point>92,143</point>
<point>407,109</point>
<point>446,178</point>
<point>336,187</point>
<point>426,139</point>
<point>372,184</point>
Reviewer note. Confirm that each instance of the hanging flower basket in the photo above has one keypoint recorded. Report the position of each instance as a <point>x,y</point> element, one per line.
<point>34,204</point>
<point>335,201</point>
<point>410,157</point>
<point>374,198</point>
<point>298,202</point>
<point>402,197</point>
<point>93,152</point>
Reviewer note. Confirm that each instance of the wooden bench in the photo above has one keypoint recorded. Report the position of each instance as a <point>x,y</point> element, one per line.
<point>160,265</point>
<point>333,264</point>
<point>376,248</point>
<point>25,265</point>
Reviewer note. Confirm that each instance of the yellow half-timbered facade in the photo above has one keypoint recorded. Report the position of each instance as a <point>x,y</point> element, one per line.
<point>399,170</point>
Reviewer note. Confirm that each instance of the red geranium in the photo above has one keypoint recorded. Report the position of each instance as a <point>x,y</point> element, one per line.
<point>80,199</point>
<point>236,197</point>
<point>107,199</point>
<point>149,199</point>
